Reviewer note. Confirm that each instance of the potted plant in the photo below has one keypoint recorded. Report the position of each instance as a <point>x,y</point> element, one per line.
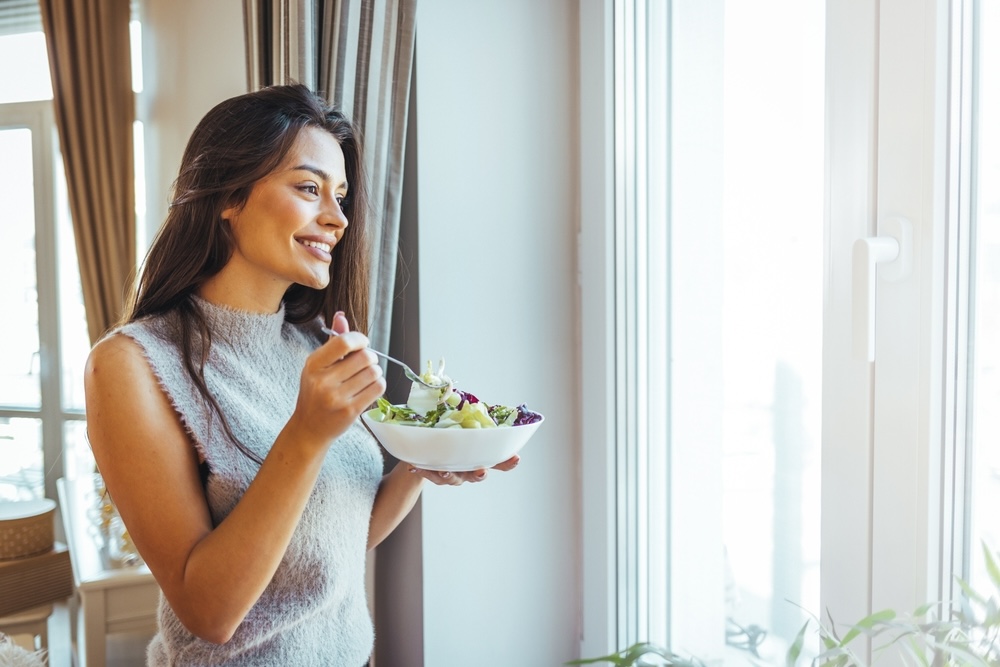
<point>966,634</point>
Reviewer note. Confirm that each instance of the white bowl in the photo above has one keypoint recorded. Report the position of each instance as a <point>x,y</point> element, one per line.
<point>453,449</point>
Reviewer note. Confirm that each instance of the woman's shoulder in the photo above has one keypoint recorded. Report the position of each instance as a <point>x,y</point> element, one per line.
<point>118,353</point>
<point>130,349</point>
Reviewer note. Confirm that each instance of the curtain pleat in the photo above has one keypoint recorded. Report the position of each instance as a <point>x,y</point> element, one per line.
<point>359,54</point>
<point>89,60</point>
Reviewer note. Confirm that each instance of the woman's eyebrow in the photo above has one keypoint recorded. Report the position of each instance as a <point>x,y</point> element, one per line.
<point>324,176</point>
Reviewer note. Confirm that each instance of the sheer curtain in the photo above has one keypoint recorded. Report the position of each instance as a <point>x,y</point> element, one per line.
<point>359,54</point>
<point>90,63</point>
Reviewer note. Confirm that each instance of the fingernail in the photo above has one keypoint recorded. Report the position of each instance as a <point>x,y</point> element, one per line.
<point>445,473</point>
<point>412,469</point>
<point>481,475</point>
<point>339,313</point>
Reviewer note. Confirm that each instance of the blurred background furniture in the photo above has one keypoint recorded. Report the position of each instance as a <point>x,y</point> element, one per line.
<point>32,624</point>
<point>34,571</point>
<point>117,592</point>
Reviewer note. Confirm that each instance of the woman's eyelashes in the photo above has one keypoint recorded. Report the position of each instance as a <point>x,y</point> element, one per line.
<point>313,190</point>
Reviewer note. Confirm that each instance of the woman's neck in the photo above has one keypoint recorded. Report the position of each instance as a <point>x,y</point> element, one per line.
<point>243,292</point>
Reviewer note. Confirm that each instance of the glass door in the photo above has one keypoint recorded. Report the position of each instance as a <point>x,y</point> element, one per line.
<point>45,337</point>
<point>717,255</point>
<point>789,411</point>
<point>21,456</point>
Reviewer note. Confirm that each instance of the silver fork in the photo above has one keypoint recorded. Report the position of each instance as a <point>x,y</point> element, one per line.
<point>407,371</point>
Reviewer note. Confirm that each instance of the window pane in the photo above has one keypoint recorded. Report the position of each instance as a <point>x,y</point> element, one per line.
<point>19,354</point>
<point>74,339</point>
<point>985,356</point>
<point>79,458</point>
<point>772,299</point>
<point>24,68</point>
<point>743,324</point>
<point>21,467</point>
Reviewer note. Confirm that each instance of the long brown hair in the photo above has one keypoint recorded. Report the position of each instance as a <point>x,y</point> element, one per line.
<point>239,142</point>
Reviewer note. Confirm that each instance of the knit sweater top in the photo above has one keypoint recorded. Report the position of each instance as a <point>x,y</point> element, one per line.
<point>314,611</point>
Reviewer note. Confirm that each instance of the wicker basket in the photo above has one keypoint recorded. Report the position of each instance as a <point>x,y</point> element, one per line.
<point>26,527</point>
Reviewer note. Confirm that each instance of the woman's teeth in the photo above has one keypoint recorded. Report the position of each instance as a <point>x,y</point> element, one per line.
<point>325,247</point>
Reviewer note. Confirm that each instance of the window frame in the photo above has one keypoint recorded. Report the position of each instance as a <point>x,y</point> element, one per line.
<point>595,250</point>
<point>39,118</point>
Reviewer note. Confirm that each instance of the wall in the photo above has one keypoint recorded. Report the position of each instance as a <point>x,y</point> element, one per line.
<point>497,163</point>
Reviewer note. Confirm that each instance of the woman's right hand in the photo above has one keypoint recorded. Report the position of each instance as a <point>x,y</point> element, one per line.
<point>340,380</point>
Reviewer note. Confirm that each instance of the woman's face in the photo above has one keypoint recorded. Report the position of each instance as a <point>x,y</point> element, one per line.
<point>292,220</point>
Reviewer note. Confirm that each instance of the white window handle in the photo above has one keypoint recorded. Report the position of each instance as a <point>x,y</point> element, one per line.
<point>888,257</point>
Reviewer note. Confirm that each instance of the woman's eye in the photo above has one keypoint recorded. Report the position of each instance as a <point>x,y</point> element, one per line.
<point>341,200</point>
<point>311,189</point>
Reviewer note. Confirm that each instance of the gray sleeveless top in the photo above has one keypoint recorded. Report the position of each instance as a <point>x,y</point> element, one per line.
<point>314,611</point>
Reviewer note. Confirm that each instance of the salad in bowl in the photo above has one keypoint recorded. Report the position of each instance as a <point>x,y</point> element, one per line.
<point>450,429</point>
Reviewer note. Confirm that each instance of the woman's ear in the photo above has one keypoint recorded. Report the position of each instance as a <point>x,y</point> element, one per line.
<point>229,213</point>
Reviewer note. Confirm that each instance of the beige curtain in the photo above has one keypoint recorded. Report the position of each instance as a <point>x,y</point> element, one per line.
<point>359,54</point>
<point>89,59</point>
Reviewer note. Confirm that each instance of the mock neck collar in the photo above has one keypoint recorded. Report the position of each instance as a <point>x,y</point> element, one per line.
<point>233,325</point>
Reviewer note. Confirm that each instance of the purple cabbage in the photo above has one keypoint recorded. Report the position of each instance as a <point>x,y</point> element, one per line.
<point>526,416</point>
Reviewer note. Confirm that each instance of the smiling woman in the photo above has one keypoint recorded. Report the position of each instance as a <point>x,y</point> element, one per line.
<point>298,208</point>
<point>248,485</point>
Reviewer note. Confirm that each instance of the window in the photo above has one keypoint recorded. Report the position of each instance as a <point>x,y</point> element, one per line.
<point>759,471</point>
<point>42,427</point>
<point>41,397</point>
<point>718,312</point>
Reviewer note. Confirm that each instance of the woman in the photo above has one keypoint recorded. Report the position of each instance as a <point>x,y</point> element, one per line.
<point>225,423</point>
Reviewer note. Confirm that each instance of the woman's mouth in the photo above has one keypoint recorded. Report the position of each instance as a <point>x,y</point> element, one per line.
<point>318,249</point>
<point>325,247</point>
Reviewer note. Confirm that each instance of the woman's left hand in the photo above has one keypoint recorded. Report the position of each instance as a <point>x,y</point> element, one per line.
<point>444,478</point>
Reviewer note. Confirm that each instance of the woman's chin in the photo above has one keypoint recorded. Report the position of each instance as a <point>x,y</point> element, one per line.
<point>316,282</point>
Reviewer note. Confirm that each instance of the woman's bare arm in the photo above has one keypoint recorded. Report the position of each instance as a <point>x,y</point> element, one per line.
<point>212,577</point>
<point>397,494</point>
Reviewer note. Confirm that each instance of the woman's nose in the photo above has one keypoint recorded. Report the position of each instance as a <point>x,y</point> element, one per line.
<point>333,215</point>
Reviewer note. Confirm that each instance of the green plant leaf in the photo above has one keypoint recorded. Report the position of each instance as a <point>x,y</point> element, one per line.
<point>796,648</point>
<point>628,657</point>
<point>614,659</point>
<point>839,656</point>
<point>642,649</point>
<point>968,592</point>
<point>958,650</point>
<point>832,629</point>
<point>636,651</point>
<point>991,566</point>
<point>914,649</point>
<point>868,623</point>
